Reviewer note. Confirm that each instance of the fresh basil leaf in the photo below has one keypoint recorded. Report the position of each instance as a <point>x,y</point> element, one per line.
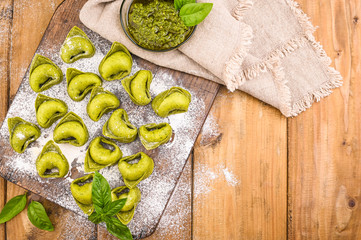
<point>194,13</point>
<point>101,193</point>
<point>98,209</point>
<point>118,229</point>
<point>95,218</point>
<point>114,207</point>
<point>12,208</point>
<point>38,217</point>
<point>178,4</point>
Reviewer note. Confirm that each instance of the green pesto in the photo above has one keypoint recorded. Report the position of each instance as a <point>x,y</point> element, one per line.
<point>51,163</point>
<point>156,25</point>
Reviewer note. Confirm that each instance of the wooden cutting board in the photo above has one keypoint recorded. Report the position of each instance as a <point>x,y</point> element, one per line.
<point>170,159</point>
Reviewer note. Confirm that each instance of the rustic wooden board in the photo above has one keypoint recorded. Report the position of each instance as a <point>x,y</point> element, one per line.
<point>66,17</point>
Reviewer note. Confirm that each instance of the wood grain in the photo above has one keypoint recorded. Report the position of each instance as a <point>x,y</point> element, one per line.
<point>251,145</point>
<point>6,16</point>
<point>324,142</point>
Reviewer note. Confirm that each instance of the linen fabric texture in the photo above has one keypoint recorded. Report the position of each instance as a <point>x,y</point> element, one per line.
<point>265,48</point>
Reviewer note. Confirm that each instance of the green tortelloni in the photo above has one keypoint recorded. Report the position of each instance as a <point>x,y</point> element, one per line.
<point>133,197</point>
<point>119,128</point>
<point>77,45</point>
<point>101,102</point>
<point>51,163</point>
<point>117,64</point>
<point>133,173</point>
<point>80,83</point>
<point>44,74</point>
<point>48,110</point>
<point>81,189</point>
<point>138,85</point>
<point>101,153</point>
<point>153,135</point>
<point>22,133</point>
<point>173,101</point>
<point>71,129</point>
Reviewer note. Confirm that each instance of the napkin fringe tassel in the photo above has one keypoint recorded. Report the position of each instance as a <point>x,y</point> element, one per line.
<point>335,79</point>
<point>235,77</point>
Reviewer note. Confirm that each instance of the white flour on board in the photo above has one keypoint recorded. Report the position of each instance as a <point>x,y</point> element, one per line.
<point>155,190</point>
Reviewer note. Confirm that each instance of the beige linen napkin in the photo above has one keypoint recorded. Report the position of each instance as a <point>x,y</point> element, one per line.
<point>263,47</point>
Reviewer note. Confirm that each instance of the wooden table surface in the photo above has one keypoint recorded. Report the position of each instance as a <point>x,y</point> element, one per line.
<point>260,175</point>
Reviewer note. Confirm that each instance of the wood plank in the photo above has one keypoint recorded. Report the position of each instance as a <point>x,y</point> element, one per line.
<point>6,16</point>
<point>324,142</point>
<point>240,174</point>
<point>176,222</point>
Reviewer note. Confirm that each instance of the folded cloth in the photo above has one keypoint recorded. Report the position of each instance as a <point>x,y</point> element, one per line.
<point>263,47</point>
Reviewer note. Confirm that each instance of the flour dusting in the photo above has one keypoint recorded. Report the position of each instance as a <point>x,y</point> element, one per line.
<point>169,158</point>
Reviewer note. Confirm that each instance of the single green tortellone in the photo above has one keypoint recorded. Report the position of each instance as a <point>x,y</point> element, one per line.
<point>22,133</point>
<point>48,110</point>
<point>77,45</point>
<point>100,154</point>
<point>51,163</point>
<point>117,64</point>
<point>71,129</point>
<point>101,102</point>
<point>44,74</point>
<point>81,189</point>
<point>133,173</point>
<point>153,135</point>
<point>138,85</point>
<point>80,83</point>
<point>133,197</point>
<point>173,101</point>
<point>119,128</point>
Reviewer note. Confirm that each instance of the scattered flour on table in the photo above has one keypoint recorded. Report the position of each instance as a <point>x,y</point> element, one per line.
<point>210,129</point>
<point>205,178</point>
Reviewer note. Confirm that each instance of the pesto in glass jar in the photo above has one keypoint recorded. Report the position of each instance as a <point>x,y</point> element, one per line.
<point>156,25</point>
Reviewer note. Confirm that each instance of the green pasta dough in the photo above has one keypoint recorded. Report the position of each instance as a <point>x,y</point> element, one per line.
<point>80,83</point>
<point>173,101</point>
<point>22,133</point>
<point>71,129</point>
<point>51,163</point>
<point>100,154</point>
<point>81,189</point>
<point>44,74</point>
<point>153,135</point>
<point>101,102</point>
<point>119,128</point>
<point>132,172</point>
<point>117,64</point>
<point>138,86</point>
<point>77,45</point>
<point>48,110</point>
<point>133,197</point>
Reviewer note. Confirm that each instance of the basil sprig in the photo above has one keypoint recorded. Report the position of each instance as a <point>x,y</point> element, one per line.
<point>105,209</point>
<point>178,4</point>
<point>38,217</point>
<point>12,208</point>
<point>194,13</point>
